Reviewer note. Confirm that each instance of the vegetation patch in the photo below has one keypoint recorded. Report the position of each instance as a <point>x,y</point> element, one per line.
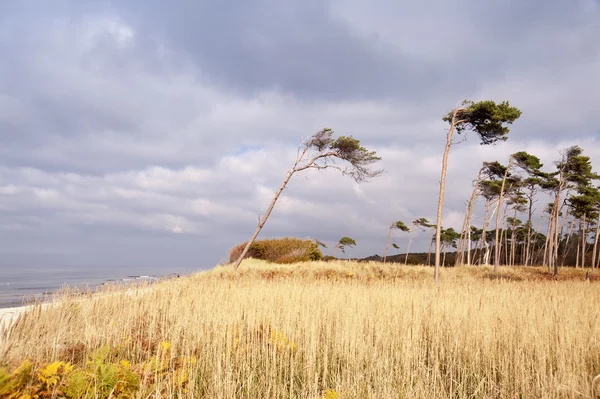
<point>282,250</point>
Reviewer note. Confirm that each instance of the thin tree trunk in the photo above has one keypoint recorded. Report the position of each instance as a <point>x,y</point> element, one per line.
<point>578,247</point>
<point>505,227</point>
<point>469,245</point>
<point>387,244</point>
<point>288,176</point>
<point>529,222</point>
<point>497,249</point>
<point>429,251</point>
<point>559,234</point>
<point>483,240</point>
<point>488,252</point>
<point>557,213</point>
<point>594,251</point>
<point>296,168</point>
<point>513,241</point>
<point>566,252</point>
<point>409,241</point>
<point>534,247</point>
<point>547,243</point>
<point>444,260</point>
<point>438,227</point>
<point>583,242</point>
<point>466,231</point>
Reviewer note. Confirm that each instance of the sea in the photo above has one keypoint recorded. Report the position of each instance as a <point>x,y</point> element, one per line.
<point>22,285</point>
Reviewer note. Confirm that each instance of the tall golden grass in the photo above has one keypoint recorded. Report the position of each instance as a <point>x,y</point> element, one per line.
<point>335,330</point>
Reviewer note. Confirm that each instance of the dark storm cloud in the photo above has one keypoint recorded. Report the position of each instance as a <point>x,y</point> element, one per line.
<point>298,47</point>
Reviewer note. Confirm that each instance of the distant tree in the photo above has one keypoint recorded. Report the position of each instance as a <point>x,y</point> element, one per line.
<point>489,189</point>
<point>394,226</point>
<point>530,164</point>
<point>574,172</point>
<point>420,223</point>
<point>448,238</point>
<point>343,243</point>
<point>488,120</point>
<point>584,208</point>
<point>465,236</point>
<point>321,151</point>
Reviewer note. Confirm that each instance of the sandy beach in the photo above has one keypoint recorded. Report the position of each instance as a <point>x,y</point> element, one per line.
<point>9,315</point>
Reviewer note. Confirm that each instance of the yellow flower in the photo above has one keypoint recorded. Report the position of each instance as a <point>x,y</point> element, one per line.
<point>165,346</point>
<point>331,394</point>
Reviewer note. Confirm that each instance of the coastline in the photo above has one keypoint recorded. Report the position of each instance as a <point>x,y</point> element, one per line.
<point>10,315</point>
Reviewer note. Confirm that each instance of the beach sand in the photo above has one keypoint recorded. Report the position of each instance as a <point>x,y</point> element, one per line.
<point>10,315</point>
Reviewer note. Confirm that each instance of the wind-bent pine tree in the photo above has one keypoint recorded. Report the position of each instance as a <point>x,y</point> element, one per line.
<point>449,237</point>
<point>574,170</point>
<point>489,189</point>
<point>423,223</point>
<point>320,151</point>
<point>488,120</point>
<point>500,198</point>
<point>516,183</point>
<point>517,200</point>
<point>594,192</point>
<point>343,243</point>
<point>394,226</point>
<point>532,166</point>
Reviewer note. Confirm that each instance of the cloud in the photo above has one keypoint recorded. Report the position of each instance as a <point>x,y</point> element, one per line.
<point>131,128</point>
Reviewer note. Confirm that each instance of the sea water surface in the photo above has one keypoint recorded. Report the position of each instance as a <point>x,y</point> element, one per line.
<point>19,285</point>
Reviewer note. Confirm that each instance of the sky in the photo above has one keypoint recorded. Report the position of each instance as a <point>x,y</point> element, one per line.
<point>155,133</point>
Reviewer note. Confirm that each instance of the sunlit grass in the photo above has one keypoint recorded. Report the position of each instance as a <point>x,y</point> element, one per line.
<point>335,329</point>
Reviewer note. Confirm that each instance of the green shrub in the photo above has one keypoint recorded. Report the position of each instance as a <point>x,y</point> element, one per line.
<point>282,250</point>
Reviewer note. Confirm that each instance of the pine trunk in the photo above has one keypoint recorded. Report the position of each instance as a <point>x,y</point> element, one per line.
<point>387,244</point>
<point>466,230</point>
<point>408,246</point>
<point>262,222</point>
<point>583,242</point>
<point>497,249</point>
<point>595,250</point>
<point>438,233</point>
<point>483,232</point>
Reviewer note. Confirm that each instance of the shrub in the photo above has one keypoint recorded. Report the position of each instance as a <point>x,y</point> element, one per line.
<point>282,250</point>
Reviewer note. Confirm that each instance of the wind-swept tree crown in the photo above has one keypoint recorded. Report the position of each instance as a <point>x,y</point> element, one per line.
<point>400,226</point>
<point>529,163</point>
<point>346,148</point>
<point>494,170</point>
<point>486,118</point>
<point>346,242</point>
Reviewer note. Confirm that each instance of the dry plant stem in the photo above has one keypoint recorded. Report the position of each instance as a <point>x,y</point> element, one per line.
<point>358,329</point>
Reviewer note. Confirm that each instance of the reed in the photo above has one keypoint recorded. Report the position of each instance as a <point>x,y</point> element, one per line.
<point>331,329</point>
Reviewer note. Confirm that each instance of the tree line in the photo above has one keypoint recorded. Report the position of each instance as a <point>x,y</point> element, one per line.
<point>509,235</point>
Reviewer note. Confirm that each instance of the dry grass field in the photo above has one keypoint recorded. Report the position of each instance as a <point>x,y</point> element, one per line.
<point>316,330</point>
